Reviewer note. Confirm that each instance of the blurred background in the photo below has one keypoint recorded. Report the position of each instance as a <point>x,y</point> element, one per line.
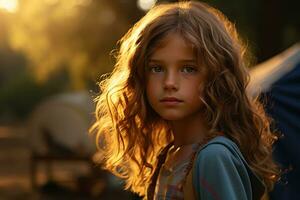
<point>52,54</point>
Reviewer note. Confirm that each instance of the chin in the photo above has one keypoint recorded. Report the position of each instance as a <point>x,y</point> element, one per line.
<point>170,117</point>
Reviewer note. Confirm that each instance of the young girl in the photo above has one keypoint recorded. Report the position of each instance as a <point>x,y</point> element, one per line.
<point>174,119</point>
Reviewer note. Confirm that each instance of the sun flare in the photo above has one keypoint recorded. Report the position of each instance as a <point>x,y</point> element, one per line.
<point>9,5</point>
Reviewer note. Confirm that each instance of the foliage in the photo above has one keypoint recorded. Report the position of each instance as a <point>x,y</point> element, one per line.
<point>19,96</point>
<point>75,35</point>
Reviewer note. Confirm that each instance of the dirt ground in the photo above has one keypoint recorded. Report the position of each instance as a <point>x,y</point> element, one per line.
<point>67,180</point>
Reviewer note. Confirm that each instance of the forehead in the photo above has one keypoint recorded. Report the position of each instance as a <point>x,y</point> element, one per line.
<point>173,46</point>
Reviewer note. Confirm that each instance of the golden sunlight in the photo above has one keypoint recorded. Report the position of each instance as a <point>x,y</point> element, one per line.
<point>146,4</point>
<point>9,5</point>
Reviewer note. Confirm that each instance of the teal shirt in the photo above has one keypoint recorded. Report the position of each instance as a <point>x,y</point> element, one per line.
<point>221,173</point>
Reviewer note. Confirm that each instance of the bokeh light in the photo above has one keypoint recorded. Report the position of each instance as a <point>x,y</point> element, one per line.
<point>9,5</point>
<point>145,4</point>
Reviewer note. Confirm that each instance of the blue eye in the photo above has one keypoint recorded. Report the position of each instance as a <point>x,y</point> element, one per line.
<point>156,69</point>
<point>189,69</point>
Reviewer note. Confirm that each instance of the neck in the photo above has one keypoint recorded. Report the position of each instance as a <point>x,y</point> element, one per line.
<point>189,130</point>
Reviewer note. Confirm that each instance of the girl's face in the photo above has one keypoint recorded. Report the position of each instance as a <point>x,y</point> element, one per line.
<point>174,79</point>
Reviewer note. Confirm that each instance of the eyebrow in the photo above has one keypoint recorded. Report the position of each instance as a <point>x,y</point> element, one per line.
<point>183,60</point>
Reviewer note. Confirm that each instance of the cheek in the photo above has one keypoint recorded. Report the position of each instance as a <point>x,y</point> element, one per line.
<point>196,94</point>
<point>152,84</point>
<point>200,90</point>
<point>150,90</point>
<point>200,98</point>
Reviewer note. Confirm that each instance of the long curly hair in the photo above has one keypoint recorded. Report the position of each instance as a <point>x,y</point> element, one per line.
<point>130,134</point>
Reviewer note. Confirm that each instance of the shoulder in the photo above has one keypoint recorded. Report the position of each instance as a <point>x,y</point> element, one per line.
<point>220,148</point>
<point>221,156</point>
<point>220,171</point>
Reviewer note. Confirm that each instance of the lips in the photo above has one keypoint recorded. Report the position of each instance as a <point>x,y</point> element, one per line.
<point>170,99</point>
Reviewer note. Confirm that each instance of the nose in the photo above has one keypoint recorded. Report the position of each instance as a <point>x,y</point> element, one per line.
<point>171,81</point>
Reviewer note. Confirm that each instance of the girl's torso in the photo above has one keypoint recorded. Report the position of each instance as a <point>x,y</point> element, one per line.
<point>173,172</point>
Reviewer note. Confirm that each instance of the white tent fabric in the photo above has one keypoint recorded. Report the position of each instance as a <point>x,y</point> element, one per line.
<point>263,75</point>
<point>67,117</point>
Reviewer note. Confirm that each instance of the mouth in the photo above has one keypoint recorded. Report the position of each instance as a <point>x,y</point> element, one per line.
<point>170,100</point>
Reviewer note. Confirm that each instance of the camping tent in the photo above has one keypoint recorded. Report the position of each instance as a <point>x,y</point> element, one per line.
<point>278,82</point>
<point>63,120</point>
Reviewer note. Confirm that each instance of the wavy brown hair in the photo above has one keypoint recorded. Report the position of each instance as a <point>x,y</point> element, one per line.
<point>130,134</point>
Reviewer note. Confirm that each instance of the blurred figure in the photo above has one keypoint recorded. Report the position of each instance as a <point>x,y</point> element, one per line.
<point>278,80</point>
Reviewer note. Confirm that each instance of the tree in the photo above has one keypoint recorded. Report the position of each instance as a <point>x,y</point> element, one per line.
<point>72,35</point>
